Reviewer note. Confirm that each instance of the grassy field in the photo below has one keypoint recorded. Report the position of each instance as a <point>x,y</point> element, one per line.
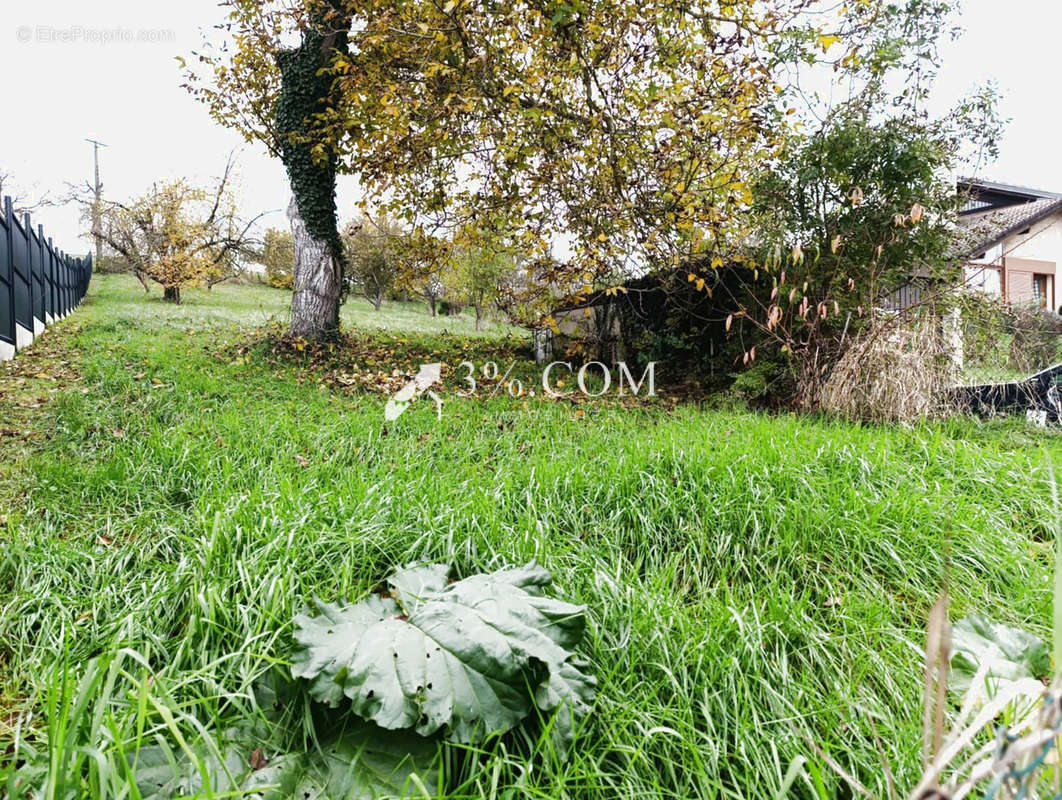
<point>173,492</point>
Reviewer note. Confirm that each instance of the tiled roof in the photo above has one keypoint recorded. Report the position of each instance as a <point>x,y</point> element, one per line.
<point>980,231</point>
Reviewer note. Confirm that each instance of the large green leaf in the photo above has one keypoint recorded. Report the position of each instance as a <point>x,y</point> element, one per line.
<point>358,762</point>
<point>163,771</point>
<point>364,763</point>
<point>569,692</point>
<point>1011,653</point>
<point>469,657</point>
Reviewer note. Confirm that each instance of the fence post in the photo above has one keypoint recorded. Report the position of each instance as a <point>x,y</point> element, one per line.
<point>23,284</point>
<point>66,282</point>
<point>49,308</point>
<point>7,275</point>
<point>33,257</point>
<point>42,248</point>
<point>31,319</point>
<point>62,284</point>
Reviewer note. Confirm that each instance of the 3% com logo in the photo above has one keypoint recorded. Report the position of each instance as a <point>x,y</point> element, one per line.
<point>430,375</point>
<point>489,371</point>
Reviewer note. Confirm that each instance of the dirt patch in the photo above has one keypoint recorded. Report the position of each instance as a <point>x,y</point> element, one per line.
<point>29,383</point>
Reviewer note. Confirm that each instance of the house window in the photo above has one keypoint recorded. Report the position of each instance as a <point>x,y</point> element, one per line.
<point>1039,287</point>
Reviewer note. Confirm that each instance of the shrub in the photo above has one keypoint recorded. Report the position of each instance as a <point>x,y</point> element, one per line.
<point>896,370</point>
<point>1036,338</point>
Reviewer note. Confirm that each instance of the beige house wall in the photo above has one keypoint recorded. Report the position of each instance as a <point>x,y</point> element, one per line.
<point>1020,257</point>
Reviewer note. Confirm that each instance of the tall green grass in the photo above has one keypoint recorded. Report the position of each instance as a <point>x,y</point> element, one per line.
<point>750,579</point>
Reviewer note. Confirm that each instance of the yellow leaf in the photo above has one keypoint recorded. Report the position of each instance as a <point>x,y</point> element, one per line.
<point>826,41</point>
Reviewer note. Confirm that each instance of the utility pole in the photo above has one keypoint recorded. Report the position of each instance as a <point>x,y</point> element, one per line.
<point>97,189</point>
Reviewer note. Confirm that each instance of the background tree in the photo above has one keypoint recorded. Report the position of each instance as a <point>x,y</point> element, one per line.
<point>24,200</point>
<point>178,235</point>
<point>629,131</point>
<point>430,287</point>
<point>478,276</point>
<point>373,248</point>
<point>278,258</point>
<point>275,94</point>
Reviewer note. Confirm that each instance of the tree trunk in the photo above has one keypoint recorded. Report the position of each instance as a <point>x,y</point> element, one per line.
<point>479,315</point>
<point>171,294</point>
<point>431,303</point>
<point>315,303</point>
<point>542,340</point>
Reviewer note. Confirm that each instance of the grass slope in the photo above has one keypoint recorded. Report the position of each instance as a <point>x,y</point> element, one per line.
<point>749,578</point>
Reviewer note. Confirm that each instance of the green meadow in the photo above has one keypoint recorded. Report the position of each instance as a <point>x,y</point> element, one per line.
<point>174,489</point>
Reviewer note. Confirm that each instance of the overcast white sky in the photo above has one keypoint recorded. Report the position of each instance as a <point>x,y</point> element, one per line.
<point>56,92</point>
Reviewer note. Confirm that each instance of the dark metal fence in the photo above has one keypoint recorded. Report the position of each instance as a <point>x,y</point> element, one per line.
<point>39,284</point>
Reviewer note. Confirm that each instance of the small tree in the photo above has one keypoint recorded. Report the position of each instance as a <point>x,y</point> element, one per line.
<point>477,276</point>
<point>372,246</point>
<point>278,258</point>
<point>178,235</point>
<point>431,288</point>
<point>852,213</point>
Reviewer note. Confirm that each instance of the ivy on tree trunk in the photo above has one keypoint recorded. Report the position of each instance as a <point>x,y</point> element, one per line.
<point>306,90</point>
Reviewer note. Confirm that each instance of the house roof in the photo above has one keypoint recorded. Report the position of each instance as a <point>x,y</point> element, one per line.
<point>1007,188</point>
<point>980,231</point>
<point>987,195</point>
